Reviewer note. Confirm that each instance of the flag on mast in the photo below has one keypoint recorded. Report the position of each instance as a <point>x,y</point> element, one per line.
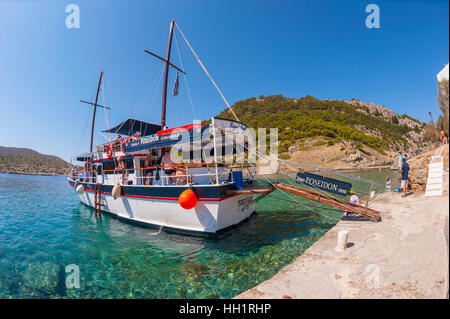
<point>176,86</point>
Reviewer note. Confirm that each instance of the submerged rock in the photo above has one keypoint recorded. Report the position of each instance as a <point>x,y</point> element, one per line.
<point>41,278</point>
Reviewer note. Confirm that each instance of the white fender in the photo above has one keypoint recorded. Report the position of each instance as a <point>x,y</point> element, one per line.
<point>80,189</point>
<point>116,191</point>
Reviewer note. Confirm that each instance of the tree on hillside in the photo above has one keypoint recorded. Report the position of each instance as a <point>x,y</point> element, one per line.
<point>430,133</point>
<point>442,123</point>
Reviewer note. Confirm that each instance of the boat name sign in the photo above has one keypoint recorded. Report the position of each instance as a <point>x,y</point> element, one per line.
<point>324,183</point>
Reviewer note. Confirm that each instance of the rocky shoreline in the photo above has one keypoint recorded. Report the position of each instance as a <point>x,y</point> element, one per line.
<point>31,173</point>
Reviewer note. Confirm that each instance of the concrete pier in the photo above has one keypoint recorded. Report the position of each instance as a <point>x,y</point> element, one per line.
<point>404,256</point>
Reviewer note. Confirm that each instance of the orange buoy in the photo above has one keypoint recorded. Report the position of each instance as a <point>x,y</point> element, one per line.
<point>188,199</point>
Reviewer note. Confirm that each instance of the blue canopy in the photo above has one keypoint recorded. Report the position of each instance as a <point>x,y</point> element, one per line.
<point>132,126</point>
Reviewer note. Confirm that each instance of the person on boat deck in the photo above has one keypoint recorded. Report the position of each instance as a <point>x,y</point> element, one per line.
<point>181,175</point>
<point>117,140</point>
<point>148,172</point>
<point>166,160</point>
<point>136,136</point>
<point>353,199</point>
<point>73,173</point>
<point>121,166</point>
<point>87,168</point>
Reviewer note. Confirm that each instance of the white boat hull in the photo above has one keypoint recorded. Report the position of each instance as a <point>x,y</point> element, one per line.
<point>205,217</point>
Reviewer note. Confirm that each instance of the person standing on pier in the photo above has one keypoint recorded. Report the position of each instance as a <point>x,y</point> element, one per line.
<point>405,173</point>
<point>388,184</point>
<point>444,139</point>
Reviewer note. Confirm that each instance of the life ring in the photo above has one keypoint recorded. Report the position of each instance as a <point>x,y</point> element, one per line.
<point>109,150</point>
<point>127,140</point>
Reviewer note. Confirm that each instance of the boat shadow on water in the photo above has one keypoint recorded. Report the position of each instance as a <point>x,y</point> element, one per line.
<point>266,228</point>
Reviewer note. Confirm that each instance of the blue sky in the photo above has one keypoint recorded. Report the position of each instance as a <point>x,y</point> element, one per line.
<point>294,48</point>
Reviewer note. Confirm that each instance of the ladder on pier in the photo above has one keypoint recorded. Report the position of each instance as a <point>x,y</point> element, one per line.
<point>98,200</point>
<point>330,200</point>
<point>435,179</point>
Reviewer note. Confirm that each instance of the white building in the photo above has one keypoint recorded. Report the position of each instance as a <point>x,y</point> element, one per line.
<point>443,75</point>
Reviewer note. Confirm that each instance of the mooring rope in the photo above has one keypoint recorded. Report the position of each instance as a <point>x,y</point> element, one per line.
<point>292,199</point>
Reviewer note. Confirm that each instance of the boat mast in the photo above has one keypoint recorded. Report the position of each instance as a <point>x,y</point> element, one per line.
<point>95,110</point>
<point>166,76</point>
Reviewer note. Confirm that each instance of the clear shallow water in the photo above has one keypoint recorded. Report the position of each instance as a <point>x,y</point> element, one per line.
<point>44,228</point>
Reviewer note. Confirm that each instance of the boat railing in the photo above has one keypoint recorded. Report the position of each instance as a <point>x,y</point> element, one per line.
<point>117,144</point>
<point>121,175</point>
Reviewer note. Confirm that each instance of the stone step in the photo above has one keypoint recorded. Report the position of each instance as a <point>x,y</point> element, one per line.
<point>434,186</point>
<point>432,181</point>
<point>433,192</point>
<point>434,174</point>
<point>436,169</point>
<point>437,165</point>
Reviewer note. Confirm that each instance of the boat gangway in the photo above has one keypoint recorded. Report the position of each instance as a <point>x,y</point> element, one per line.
<point>329,200</point>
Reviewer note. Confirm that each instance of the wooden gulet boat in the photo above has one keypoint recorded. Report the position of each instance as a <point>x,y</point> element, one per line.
<point>126,177</point>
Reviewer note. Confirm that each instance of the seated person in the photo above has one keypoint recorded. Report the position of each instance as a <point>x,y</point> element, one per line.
<point>121,166</point>
<point>181,173</point>
<point>148,172</point>
<point>354,199</point>
<point>166,160</point>
<point>87,170</point>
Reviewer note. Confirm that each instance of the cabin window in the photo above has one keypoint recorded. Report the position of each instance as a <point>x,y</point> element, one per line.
<point>129,164</point>
<point>110,165</point>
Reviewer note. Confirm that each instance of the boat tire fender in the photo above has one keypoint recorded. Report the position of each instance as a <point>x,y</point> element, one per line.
<point>116,191</point>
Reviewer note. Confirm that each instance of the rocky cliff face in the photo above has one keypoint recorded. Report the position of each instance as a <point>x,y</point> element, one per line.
<point>416,142</point>
<point>346,134</point>
<point>387,113</point>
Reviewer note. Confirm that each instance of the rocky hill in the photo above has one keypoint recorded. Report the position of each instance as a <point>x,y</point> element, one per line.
<point>27,161</point>
<point>334,133</point>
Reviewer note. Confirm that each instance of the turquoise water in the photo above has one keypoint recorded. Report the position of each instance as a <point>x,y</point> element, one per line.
<point>44,228</point>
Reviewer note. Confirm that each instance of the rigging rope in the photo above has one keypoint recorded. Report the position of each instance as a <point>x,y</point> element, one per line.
<point>302,204</point>
<point>321,192</point>
<point>104,109</point>
<point>185,80</point>
<point>286,193</point>
<point>207,73</point>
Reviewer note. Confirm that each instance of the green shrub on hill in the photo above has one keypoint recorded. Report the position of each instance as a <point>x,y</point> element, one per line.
<point>309,117</point>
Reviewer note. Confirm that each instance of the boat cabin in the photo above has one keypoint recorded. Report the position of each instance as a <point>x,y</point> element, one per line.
<point>140,155</point>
